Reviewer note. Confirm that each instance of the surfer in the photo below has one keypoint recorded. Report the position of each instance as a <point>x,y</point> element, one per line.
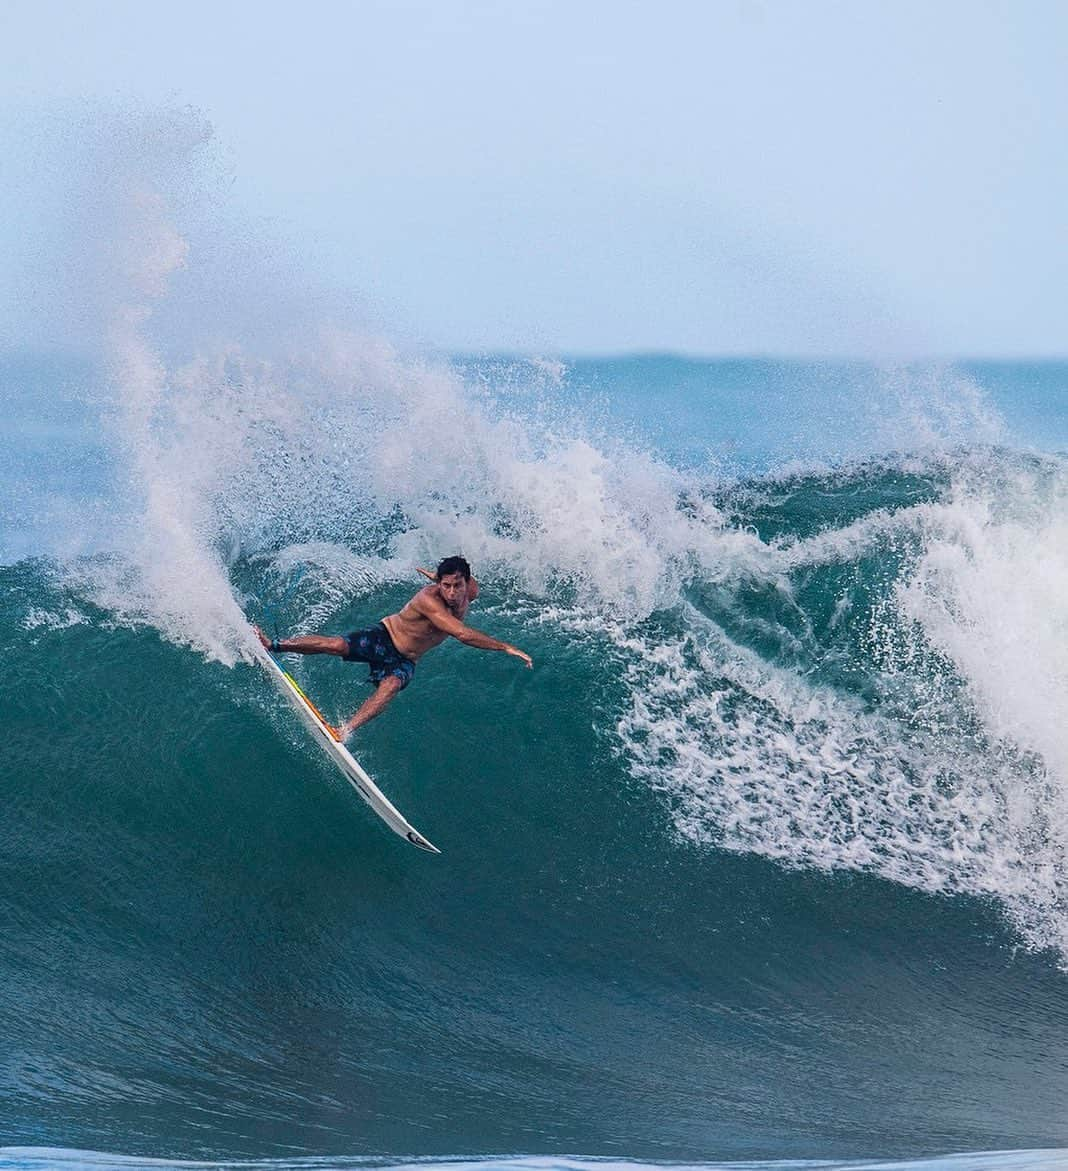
<point>393,646</point>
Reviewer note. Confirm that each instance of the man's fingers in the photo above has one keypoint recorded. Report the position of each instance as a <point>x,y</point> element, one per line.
<point>514,650</point>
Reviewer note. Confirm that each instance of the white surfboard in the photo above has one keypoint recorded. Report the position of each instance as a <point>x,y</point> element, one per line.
<point>341,756</point>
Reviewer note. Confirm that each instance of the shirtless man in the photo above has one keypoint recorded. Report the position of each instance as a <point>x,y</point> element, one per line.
<point>393,646</point>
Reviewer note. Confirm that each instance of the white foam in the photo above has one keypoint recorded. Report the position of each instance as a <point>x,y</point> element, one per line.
<point>956,782</point>
<point>36,618</point>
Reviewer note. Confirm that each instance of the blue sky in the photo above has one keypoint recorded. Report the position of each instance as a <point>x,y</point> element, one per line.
<point>725,177</point>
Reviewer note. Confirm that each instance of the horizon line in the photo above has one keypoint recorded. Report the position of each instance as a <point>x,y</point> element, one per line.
<point>472,353</point>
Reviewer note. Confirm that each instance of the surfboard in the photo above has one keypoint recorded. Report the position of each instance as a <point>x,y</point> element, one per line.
<point>347,764</point>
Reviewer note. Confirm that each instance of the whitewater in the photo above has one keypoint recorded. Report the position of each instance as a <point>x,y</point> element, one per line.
<point>766,861</point>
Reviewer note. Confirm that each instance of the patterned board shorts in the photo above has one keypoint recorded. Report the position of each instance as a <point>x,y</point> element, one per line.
<point>375,647</point>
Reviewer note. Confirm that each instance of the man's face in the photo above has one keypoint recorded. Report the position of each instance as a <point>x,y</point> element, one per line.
<point>453,587</point>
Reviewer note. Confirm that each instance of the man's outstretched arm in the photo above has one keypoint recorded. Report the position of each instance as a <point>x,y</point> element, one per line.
<point>436,612</point>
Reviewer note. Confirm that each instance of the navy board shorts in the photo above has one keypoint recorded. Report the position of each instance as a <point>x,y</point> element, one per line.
<point>374,647</point>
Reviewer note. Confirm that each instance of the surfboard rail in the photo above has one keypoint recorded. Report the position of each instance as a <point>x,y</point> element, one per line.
<point>350,768</point>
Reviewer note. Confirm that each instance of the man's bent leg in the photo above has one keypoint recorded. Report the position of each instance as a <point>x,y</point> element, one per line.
<point>373,706</point>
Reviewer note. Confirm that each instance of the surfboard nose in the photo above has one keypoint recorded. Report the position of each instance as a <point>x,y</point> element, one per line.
<point>421,842</point>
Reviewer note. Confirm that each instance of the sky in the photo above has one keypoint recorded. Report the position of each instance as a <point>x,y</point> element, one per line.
<point>726,177</point>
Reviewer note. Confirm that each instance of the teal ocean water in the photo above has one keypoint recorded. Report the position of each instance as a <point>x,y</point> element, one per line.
<point>765,860</point>
<point>763,865</point>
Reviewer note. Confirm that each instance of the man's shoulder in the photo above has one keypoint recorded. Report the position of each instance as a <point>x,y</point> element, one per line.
<point>427,598</point>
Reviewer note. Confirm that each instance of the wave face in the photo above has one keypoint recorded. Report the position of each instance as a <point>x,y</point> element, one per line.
<point>765,860</point>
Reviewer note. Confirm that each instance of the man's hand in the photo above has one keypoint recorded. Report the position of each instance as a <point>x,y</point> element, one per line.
<point>263,638</point>
<point>344,731</point>
<point>514,650</point>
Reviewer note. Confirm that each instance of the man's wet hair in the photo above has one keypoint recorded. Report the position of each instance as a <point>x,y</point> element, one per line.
<point>453,565</point>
